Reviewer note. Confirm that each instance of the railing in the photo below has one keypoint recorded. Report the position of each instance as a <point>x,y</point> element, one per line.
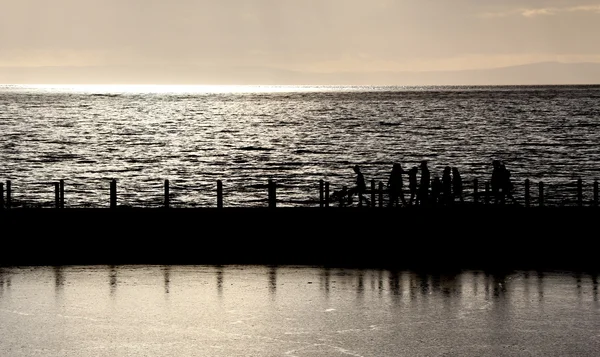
<point>527,194</point>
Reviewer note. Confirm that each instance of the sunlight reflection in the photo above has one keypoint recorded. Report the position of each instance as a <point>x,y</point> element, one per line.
<point>180,89</point>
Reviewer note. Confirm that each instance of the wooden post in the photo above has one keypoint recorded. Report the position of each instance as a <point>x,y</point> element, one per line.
<point>113,193</point>
<point>579,192</point>
<point>321,193</point>
<point>527,195</point>
<point>8,194</point>
<point>475,191</point>
<point>326,193</point>
<point>541,198</point>
<point>57,195</point>
<point>219,194</point>
<point>380,194</point>
<point>62,193</point>
<point>272,194</point>
<point>595,203</point>
<point>1,195</point>
<point>487,192</point>
<point>372,193</point>
<point>167,201</point>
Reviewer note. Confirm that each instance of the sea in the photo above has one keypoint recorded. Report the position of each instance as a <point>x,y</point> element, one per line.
<point>244,136</point>
<point>294,311</point>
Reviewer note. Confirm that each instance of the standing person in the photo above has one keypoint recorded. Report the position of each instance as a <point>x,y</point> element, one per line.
<point>447,186</point>
<point>436,196</point>
<point>496,180</point>
<point>507,186</point>
<point>395,186</point>
<point>423,194</point>
<point>361,186</point>
<point>457,185</point>
<point>412,184</point>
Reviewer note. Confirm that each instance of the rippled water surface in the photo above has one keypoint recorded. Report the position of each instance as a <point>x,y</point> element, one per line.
<point>194,136</point>
<point>294,311</point>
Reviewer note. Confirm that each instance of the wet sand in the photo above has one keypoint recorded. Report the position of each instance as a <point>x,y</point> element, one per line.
<point>470,237</point>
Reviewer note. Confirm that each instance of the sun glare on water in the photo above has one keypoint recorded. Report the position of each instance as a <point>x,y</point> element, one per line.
<point>173,89</point>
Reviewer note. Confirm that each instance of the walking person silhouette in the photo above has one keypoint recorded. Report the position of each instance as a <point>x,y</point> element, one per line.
<point>496,180</point>
<point>413,184</point>
<point>395,186</point>
<point>360,189</point>
<point>446,198</point>
<point>457,185</point>
<point>423,194</point>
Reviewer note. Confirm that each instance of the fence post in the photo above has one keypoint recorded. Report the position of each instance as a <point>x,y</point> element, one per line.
<point>113,193</point>
<point>219,194</point>
<point>1,195</point>
<point>167,201</point>
<point>579,192</point>
<point>527,197</point>
<point>373,193</point>
<point>326,193</point>
<point>62,193</point>
<point>596,193</point>
<point>57,195</point>
<point>541,198</point>
<point>380,194</point>
<point>321,193</point>
<point>475,191</point>
<point>8,194</point>
<point>487,192</point>
<point>272,194</point>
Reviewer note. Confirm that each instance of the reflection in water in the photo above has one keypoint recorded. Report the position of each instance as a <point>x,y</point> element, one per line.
<point>595,287</point>
<point>394,283</point>
<point>380,281</point>
<point>326,280</point>
<point>475,285</point>
<point>360,286</point>
<point>113,279</point>
<point>272,280</point>
<point>424,284</point>
<point>540,283</point>
<point>384,313</point>
<point>220,280</point>
<point>167,277</point>
<point>2,277</point>
<point>59,280</point>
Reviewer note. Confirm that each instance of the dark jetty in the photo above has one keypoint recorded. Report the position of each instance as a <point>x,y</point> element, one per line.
<point>458,237</point>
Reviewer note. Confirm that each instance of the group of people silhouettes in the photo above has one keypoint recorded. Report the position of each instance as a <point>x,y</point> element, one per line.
<point>425,191</point>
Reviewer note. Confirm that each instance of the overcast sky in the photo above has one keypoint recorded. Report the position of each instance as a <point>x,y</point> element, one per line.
<point>299,35</point>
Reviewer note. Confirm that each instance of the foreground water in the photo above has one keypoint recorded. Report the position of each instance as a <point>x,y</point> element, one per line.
<point>294,311</point>
<point>194,136</point>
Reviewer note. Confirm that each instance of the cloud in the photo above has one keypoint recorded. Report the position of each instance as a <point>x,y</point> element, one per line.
<point>547,11</point>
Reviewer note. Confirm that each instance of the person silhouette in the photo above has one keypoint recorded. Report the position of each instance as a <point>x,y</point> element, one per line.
<point>507,186</point>
<point>395,186</point>
<point>457,185</point>
<point>412,184</point>
<point>361,187</point>
<point>447,186</point>
<point>496,180</point>
<point>423,193</point>
<point>436,191</point>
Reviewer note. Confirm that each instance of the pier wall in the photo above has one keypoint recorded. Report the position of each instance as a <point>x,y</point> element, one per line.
<point>425,238</point>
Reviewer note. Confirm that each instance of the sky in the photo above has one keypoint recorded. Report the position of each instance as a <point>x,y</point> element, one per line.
<point>197,41</point>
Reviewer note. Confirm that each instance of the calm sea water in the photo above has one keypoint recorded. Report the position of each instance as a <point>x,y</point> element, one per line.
<point>194,136</point>
<point>294,311</point>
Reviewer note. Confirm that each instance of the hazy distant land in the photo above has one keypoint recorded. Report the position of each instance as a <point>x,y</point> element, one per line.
<point>546,73</point>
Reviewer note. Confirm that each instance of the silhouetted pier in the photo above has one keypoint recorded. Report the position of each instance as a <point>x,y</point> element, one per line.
<point>377,195</point>
<point>475,234</point>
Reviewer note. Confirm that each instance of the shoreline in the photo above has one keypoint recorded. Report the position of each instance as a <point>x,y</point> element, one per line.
<point>459,237</point>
